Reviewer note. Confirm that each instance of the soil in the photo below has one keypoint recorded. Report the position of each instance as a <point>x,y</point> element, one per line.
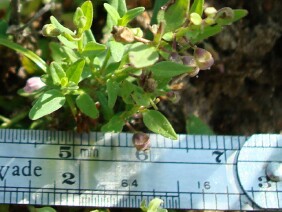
<point>242,92</point>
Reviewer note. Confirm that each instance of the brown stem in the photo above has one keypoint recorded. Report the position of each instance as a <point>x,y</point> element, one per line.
<point>43,10</point>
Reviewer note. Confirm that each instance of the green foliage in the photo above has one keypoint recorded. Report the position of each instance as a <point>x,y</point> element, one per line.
<point>87,106</point>
<point>157,122</point>
<point>154,206</point>
<point>109,83</point>
<point>197,7</point>
<point>130,15</point>
<point>37,60</point>
<point>142,55</point>
<point>47,103</point>
<point>194,125</point>
<point>168,69</point>
<point>4,208</point>
<point>43,209</point>
<point>174,15</point>
<point>113,13</point>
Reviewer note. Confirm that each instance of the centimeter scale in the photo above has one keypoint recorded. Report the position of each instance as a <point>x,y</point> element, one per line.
<point>105,170</point>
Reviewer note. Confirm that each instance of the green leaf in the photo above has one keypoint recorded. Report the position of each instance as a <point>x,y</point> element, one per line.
<point>29,54</point>
<point>206,32</point>
<point>57,24</point>
<point>77,17</point>
<point>62,53</point>
<point>168,69</point>
<point>93,48</point>
<point>88,36</point>
<point>87,106</point>
<point>57,73</point>
<point>4,208</point>
<point>197,7</point>
<point>47,103</point>
<point>65,41</point>
<point>115,124</point>
<point>3,28</point>
<point>112,90</point>
<point>157,123</point>
<point>112,12</point>
<point>140,97</point>
<point>106,110</point>
<point>74,71</point>
<point>87,9</point>
<point>143,205</point>
<point>142,55</point>
<point>239,13</point>
<point>175,14</point>
<point>157,6</point>
<point>57,52</point>
<point>126,90</point>
<point>43,209</point>
<point>117,50</point>
<point>154,205</point>
<point>194,125</point>
<point>120,6</point>
<point>130,15</point>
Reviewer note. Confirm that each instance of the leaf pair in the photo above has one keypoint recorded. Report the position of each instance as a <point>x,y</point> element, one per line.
<point>52,100</point>
<point>72,74</point>
<point>126,18</point>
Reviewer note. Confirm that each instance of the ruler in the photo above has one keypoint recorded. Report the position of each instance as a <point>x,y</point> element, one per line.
<point>105,170</point>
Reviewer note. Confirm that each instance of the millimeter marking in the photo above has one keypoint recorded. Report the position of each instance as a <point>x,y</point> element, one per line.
<point>105,170</point>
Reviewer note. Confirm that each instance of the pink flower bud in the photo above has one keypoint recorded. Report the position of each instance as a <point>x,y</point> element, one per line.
<point>190,61</point>
<point>141,141</point>
<point>33,84</point>
<point>203,58</point>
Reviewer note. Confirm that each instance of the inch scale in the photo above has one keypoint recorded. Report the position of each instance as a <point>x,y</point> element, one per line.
<point>105,170</point>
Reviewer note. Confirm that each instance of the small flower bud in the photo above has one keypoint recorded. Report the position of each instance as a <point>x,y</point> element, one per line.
<point>81,22</point>
<point>141,141</point>
<point>203,58</point>
<point>189,60</point>
<point>173,96</point>
<point>123,34</point>
<point>79,19</point>
<point>150,85</point>
<point>49,30</point>
<point>224,15</point>
<point>210,11</point>
<point>209,21</point>
<point>33,84</point>
<point>174,57</point>
<point>196,19</point>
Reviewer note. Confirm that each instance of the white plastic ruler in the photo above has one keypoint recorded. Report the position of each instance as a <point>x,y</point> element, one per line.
<point>105,170</point>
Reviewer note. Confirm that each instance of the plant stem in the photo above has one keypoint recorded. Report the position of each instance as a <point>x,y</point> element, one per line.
<point>80,43</point>
<point>14,120</point>
<point>105,63</point>
<point>153,104</point>
<point>71,105</point>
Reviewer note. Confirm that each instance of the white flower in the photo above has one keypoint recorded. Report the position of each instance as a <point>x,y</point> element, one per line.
<point>33,84</point>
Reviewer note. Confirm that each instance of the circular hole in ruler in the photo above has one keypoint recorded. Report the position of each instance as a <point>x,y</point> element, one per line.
<point>255,156</point>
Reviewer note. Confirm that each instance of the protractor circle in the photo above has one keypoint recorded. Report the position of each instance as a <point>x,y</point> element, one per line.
<point>259,167</point>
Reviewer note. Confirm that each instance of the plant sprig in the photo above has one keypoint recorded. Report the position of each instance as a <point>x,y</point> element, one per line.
<point>106,84</point>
